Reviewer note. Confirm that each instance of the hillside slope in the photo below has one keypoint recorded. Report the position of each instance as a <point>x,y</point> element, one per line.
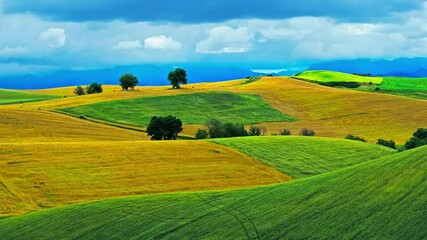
<point>10,96</point>
<point>301,157</point>
<point>383,199</point>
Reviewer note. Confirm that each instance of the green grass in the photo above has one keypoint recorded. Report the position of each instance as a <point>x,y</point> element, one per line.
<point>190,108</point>
<point>404,84</point>
<point>301,157</point>
<point>330,76</point>
<point>382,199</point>
<point>11,96</point>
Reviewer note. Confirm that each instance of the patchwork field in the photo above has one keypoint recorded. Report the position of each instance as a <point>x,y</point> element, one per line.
<point>10,96</point>
<point>372,196</point>
<point>190,108</point>
<point>39,175</point>
<point>301,157</point>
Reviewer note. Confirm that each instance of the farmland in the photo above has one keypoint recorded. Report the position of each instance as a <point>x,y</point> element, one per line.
<point>72,160</point>
<point>371,195</point>
<point>10,96</point>
<point>301,157</point>
<point>191,108</point>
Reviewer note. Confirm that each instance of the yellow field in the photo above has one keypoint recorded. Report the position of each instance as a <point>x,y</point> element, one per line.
<point>38,175</point>
<point>26,125</point>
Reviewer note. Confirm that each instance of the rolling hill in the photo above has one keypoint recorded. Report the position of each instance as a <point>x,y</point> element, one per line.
<point>382,199</point>
<point>10,96</point>
<point>195,108</point>
<point>330,76</point>
<point>301,157</point>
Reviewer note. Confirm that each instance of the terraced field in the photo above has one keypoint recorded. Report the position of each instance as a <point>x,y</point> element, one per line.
<point>372,195</point>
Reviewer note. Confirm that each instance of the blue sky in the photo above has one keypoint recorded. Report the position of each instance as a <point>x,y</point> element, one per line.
<point>57,34</point>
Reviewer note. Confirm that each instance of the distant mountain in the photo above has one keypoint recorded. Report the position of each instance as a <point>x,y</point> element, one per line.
<point>405,67</point>
<point>148,75</point>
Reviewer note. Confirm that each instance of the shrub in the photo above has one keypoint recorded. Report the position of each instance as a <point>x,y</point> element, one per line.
<point>377,89</point>
<point>215,128</point>
<point>79,90</point>
<point>234,130</point>
<point>390,144</point>
<point>255,131</point>
<point>419,138</point>
<point>307,132</point>
<point>94,88</point>
<point>352,137</point>
<point>202,134</point>
<point>285,132</point>
<point>341,84</point>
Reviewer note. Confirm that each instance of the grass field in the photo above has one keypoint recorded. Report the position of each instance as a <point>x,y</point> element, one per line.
<point>404,84</point>
<point>382,199</point>
<point>10,96</point>
<point>301,157</point>
<point>194,108</point>
<point>330,76</point>
<point>39,175</point>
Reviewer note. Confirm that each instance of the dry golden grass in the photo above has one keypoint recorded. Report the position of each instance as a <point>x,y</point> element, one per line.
<point>27,125</point>
<point>38,175</point>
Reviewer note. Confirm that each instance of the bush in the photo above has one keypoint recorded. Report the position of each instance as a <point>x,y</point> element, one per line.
<point>390,144</point>
<point>234,130</point>
<point>341,84</point>
<point>307,132</point>
<point>419,138</point>
<point>216,129</point>
<point>254,131</point>
<point>164,128</point>
<point>79,90</point>
<point>352,137</point>
<point>285,132</point>
<point>202,134</point>
<point>94,88</point>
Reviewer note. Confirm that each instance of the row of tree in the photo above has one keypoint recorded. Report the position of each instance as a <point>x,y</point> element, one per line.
<point>129,81</point>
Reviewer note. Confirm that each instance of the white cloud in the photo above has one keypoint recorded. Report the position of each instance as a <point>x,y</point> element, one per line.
<point>128,45</point>
<point>161,42</point>
<point>53,37</point>
<point>10,51</point>
<point>225,39</point>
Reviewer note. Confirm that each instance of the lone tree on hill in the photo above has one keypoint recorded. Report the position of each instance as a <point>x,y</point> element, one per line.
<point>178,76</point>
<point>164,128</point>
<point>127,81</point>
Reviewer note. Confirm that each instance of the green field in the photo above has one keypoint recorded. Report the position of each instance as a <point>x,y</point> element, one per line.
<point>190,108</point>
<point>330,76</point>
<point>10,96</point>
<point>382,199</point>
<point>404,84</point>
<point>301,157</point>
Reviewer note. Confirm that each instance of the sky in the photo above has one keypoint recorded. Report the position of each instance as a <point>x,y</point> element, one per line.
<point>48,35</point>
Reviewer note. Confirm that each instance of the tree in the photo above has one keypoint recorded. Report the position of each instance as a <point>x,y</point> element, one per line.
<point>215,128</point>
<point>164,128</point>
<point>254,131</point>
<point>177,76</point>
<point>127,81</point>
<point>202,134</point>
<point>234,130</point>
<point>419,138</point>
<point>94,88</point>
<point>79,90</point>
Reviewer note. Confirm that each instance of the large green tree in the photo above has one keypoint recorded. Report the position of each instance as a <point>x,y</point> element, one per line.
<point>94,88</point>
<point>178,76</point>
<point>164,128</point>
<point>127,81</point>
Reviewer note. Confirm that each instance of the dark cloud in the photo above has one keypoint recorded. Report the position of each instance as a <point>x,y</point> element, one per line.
<point>190,11</point>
